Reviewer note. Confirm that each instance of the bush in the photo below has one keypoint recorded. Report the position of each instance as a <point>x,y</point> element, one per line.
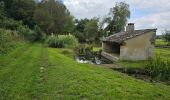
<point>8,40</point>
<point>158,68</point>
<point>39,35</point>
<point>31,35</point>
<point>62,41</point>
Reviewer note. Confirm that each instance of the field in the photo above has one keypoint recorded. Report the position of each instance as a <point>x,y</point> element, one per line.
<point>63,78</point>
<point>161,42</point>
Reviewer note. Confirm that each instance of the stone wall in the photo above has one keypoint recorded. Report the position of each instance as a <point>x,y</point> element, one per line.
<point>138,48</point>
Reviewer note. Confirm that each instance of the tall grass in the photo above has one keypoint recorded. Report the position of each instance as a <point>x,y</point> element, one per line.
<point>159,68</point>
<point>8,40</point>
<point>62,41</point>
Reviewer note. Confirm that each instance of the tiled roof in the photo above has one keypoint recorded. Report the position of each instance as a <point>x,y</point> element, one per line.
<point>122,36</point>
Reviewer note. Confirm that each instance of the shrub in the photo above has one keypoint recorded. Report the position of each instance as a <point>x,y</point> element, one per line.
<point>8,40</point>
<point>62,41</point>
<point>39,35</point>
<point>158,68</point>
<point>31,35</point>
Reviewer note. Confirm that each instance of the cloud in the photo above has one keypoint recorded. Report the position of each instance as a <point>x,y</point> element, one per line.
<point>144,13</point>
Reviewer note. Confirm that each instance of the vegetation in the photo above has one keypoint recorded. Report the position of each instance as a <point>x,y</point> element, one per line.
<point>53,17</point>
<point>62,41</point>
<point>63,78</point>
<point>118,18</point>
<point>166,36</point>
<point>8,40</point>
<point>20,10</point>
<point>32,70</point>
<point>161,42</point>
<point>91,30</point>
<point>159,68</point>
<point>87,30</point>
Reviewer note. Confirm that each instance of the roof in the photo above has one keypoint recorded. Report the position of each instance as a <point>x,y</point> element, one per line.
<point>122,36</point>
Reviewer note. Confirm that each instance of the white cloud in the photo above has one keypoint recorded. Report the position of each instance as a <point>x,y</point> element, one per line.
<point>158,16</point>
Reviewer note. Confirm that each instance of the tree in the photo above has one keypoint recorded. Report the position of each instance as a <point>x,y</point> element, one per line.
<point>53,17</point>
<point>91,30</point>
<point>2,11</point>
<point>118,18</point>
<point>70,25</point>
<point>166,35</point>
<point>21,10</point>
<point>80,26</point>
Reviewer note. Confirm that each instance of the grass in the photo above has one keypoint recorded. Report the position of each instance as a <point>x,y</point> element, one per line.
<point>95,49</point>
<point>161,42</point>
<point>19,73</point>
<point>65,79</point>
<point>163,53</point>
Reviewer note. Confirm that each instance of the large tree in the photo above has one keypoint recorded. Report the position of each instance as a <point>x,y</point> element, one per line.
<point>91,30</point>
<point>118,17</point>
<point>80,29</point>
<point>53,17</point>
<point>21,10</point>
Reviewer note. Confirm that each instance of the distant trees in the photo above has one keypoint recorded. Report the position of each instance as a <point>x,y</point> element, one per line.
<point>2,9</point>
<point>87,29</point>
<point>21,10</point>
<point>91,30</point>
<point>117,18</point>
<point>53,17</point>
<point>33,17</point>
<point>166,35</point>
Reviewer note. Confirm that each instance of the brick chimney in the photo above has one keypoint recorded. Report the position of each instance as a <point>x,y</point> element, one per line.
<point>130,27</point>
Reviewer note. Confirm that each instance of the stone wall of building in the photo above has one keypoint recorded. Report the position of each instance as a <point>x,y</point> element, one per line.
<point>138,48</point>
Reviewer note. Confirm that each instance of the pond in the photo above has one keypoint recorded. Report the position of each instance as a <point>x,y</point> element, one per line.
<point>93,60</point>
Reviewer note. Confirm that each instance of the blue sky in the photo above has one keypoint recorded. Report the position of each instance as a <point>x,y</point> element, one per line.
<point>144,13</point>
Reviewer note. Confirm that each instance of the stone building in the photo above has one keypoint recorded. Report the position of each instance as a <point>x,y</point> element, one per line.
<point>129,45</point>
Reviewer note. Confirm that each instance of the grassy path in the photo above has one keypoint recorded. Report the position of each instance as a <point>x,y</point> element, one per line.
<point>19,73</point>
<point>64,79</point>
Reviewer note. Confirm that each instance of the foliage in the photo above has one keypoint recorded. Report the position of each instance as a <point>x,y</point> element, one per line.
<point>159,68</point>
<point>62,41</point>
<point>31,35</point>
<point>21,10</point>
<point>53,17</point>
<point>8,23</point>
<point>166,36</point>
<point>118,18</point>
<point>161,42</point>
<point>87,30</point>
<point>39,34</point>
<point>91,30</point>
<point>80,26</point>
<point>70,25</point>
<point>2,9</point>
<point>8,40</point>
<point>87,52</point>
<point>84,49</point>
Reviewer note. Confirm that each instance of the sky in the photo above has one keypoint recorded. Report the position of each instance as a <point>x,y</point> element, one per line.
<point>144,13</point>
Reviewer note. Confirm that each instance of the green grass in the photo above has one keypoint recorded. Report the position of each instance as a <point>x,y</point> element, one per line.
<point>161,42</point>
<point>163,53</point>
<point>65,79</point>
<point>95,49</point>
